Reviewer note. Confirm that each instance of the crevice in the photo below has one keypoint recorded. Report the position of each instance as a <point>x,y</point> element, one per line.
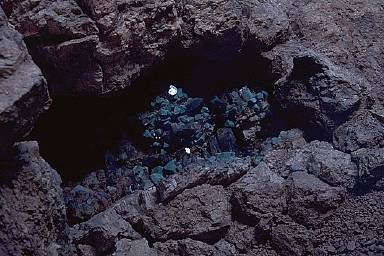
<point>47,40</point>
<point>139,228</point>
<point>211,237</point>
<point>374,181</point>
<point>239,216</point>
<point>76,132</point>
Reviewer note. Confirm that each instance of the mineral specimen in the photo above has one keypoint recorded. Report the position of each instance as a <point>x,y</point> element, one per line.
<point>176,121</point>
<point>242,109</point>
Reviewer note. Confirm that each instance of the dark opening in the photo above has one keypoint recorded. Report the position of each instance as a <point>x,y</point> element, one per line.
<point>77,131</point>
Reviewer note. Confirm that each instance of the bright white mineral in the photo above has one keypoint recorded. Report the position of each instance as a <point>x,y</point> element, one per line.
<point>172,90</point>
<point>188,150</point>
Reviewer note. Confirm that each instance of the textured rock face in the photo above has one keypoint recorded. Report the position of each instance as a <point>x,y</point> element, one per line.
<point>103,231</point>
<point>23,90</point>
<point>206,214</point>
<point>321,91</point>
<point>295,198</point>
<point>253,194</point>
<point>101,47</point>
<point>32,210</point>
<point>366,238</point>
<point>108,44</point>
<point>347,32</point>
<point>363,131</point>
<point>62,40</point>
<point>276,208</point>
<point>309,198</point>
<point>136,247</point>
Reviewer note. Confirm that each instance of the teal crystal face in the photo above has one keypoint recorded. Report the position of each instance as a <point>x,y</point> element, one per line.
<point>241,109</point>
<point>176,121</point>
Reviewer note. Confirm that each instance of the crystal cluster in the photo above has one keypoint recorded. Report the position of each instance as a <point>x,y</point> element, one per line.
<point>176,121</point>
<point>182,134</point>
<point>242,109</point>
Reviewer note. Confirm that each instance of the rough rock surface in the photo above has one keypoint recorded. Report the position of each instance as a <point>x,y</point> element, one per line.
<point>99,47</point>
<point>309,199</point>
<point>23,89</point>
<point>32,210</point>
<point>62,40</point>
<point>321,91</point>
<point>253,193</point>
<point>275,208</point>
<point>321,197</point>
<point>103,231</point>
<point>206,215</point>
<point>362,131</point>
<point>356,228</point>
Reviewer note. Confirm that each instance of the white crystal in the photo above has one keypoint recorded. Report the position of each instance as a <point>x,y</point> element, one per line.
<point>188,150</point>
<point>172,90</point>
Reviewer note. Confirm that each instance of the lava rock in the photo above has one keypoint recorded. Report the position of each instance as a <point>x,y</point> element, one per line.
<point>275,151</point>
<point>116,61</point>
<point>63,40</point>
<point>81,203</point>
<point>133,247</point>
<point>23,89</point>
<point>86,250</point>
<point>193,247</point>
<point>362,131</point>
<point>98,190</point>
<point>32,210</point>
<point>371,175</point>
<point>291,239</point>
<point>103,231</point>
<point>310,200</point>
<point>322,160</point>
<point>214,171</point>
<point>355,228</point>
<point>201,213</point>
<point>368,160</point>
<point>184,247</point>
<point>314,88</point>
<point>241,236</point>
<point>259,194</point>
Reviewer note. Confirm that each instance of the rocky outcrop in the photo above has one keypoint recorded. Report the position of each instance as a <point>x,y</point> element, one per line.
<point>323,93</point>
<point>354,228</point>
<point>310,200</point>
<point>137,247</point>
<point>62,40</point>
<point>116,230</point>
<point>206,216</point>
<point>32,210</point>
<point>23,91</point>
<point>346,32</point>
<point>289,238</point>
<point>363,136</point>
<point>274,208</point>
<point>96,47</point>
<point>103,232</point>
<point>287,197</point>
<point>363,131</point>
<point>213,173</point>
<point>253,193</point>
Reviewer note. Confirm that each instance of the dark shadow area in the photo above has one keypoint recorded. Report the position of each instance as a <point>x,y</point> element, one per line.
<point>77,131</point>
<point>370,182</point>
<point>301,100</point>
